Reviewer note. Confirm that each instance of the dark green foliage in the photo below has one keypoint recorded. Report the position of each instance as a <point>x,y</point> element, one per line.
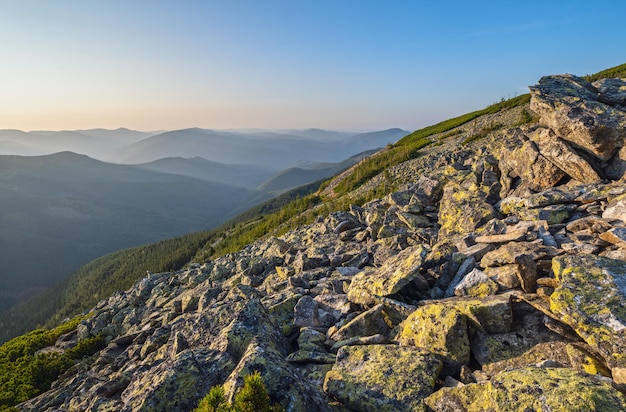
<point>252,397</point>
<point>99,279</point>
<point>24,373</point>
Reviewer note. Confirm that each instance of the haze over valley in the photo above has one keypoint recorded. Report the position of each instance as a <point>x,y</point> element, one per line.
<point>68,197</point>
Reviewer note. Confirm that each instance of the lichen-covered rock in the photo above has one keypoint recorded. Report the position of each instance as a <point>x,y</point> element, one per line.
<point>524,162</point>
<point>462,211</point>
<point>532,389</point>
<point>555,352</point>
<point>527,330</point>
<point>575,115</point>
<point>175,387</point>
<point>611,91</point>
<point>440,329</point>
<point>477,284</point>
<point>590,298</point>
<point>564,157</point>
<point>507,253</point>
<point>382,377</point>
<point>376,320</point>
<point>396,273</point>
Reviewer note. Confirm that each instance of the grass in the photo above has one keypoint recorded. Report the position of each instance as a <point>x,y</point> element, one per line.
<point>617,71</point>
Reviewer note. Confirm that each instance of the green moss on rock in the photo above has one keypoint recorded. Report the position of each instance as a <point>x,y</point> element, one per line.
<point>383,377</point>
<point>396,273</point>
<point>532,389</point>
<point>438,328</point>
<point>590,298</point>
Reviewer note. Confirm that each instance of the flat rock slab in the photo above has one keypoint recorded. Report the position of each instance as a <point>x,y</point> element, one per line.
<point>383,377</point>
<point>591,299</point>
<point>396,273</point>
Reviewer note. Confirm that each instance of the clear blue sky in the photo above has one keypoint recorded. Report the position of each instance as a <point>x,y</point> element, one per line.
<point>356,65</point>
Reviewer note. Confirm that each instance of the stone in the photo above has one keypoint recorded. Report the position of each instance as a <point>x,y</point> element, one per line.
<point>527,273</point>
<point>557,352</point>
<point>466,267</point>
<point>502,238</point>
<point>428,190</point>
<point>477,284</point>
<point>617,166</point>
<point>528,165</point>
<point>575,248</point>
<point>462,211</point>
<point>597,128</point>
<point>306,313</point>
<point>531,389</point>
<point>505,276</point>
<point>382,377</point>
<point>583,361</point>
<point>590,299</point>
<point>387,280</point>
<point>284,384</point>
<point>616,236</point>
<point>346,225</point>
<point>360,340</point>
<point>331,308</point>
<point>611,91</point>
<point>507,253</point>
<point>563,156</point>
<point>371,322</point>
<point>527,331</point>
<point>616,209</point>
<point>590,223</point>
<point>440,329</point>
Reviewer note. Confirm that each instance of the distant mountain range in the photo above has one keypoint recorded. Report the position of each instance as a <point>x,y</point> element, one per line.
<point>277,150</point>
<point>60,207</point>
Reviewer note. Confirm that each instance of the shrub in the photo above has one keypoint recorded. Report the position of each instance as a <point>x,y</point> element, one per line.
<point>252,397</point>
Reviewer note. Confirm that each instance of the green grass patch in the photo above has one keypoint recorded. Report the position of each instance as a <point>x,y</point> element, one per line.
<point>24,373</point>
<point>617,71</point>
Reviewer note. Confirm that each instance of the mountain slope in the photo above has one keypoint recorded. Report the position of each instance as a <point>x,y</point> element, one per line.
<point>60,211</point>
<point>199,168</point>
<point>298,176</point>
<point>488,263</point>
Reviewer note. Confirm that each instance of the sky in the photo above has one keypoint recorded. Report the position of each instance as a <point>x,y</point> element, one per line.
<point>281,64</point>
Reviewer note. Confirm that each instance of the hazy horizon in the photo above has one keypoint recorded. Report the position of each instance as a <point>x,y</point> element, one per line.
<point>349,65</point>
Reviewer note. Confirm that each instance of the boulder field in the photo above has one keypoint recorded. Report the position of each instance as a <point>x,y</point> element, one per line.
<point>493,280</point>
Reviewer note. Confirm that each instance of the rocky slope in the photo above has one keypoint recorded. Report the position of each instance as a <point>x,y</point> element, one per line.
<point>495,279</point>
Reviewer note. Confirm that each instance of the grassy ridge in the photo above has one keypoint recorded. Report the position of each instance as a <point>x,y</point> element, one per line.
<point>408,147</point>
<point>617,71</point>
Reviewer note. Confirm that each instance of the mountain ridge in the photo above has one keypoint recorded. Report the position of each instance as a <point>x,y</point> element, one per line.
<point>493,252</point>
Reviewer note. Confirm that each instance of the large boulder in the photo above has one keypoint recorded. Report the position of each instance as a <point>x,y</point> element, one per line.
<point>440,329</point>
<point>382,377</point>
<point>590,298</point>
<point>521,162</point>
<point>568,105</point>
<point>462,210</point>
<point>531,389</point>
<point>563,156</point>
